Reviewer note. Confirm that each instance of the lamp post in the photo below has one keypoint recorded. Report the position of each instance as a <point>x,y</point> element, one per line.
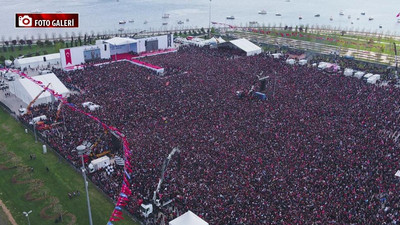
<point>81,150</point>
<point>209,22</point>
<point>27,216</point>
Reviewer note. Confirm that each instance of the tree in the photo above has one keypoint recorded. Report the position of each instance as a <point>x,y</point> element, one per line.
<point>47,42</point>
<point>39,43</point>
<point>29,42</point>
<point>2,59</point>
<point>58,209</point>
<point>6,43</point>
<point>22,42</point>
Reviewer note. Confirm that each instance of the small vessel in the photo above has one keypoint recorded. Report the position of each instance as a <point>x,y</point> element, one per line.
<point>363,13</point>
<point>331,18</point>
<point>187,20</point>
<point>180,22</point>
<point>341,13</point>
<point>121,29</point>
<point>380,26</point>
<point>317,15</point>
<point>278,14</point>
<point>230,17</point>
<point>358,18</point>
<point>300,17</point>
<point>165,23</point>
<point>262,12</point>
<point>145,22</point>
<point>131,21</point>
<point>253,22</point>
<point>371,18</point>
<point>122,22</point>
<point>398,20</point>
<point>349,17</point>
<point>165,16</point>
<point>352,23</point>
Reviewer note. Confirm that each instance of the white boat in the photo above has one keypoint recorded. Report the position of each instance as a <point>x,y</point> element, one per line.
<point>180,22</point>
<point>262,12</point>
<point>300,17</point>
<point>371,18</point>
<point>230,17</point>
<point>131,21</point>
<point>341,13</point>
<point>278,14</point>
<point>363,13</point>
<point>122,22</point>
<point>165,23</point>
<point>317,15</point>
<point>165,16</point>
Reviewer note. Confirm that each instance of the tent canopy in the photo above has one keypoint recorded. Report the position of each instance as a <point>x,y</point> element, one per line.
<point>245,45</point>
<point>26,90</point>
<point>120,41</point>
<point>37,60</point>
<point>189,218</point>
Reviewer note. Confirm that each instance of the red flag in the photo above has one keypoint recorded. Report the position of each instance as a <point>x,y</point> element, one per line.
<point>398,15</point>
<point>68,58</point>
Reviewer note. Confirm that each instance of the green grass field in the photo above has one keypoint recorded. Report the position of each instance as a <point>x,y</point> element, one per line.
<point>15,149</point>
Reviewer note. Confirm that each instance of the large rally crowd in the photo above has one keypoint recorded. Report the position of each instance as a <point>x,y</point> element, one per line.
<point>312,153</point>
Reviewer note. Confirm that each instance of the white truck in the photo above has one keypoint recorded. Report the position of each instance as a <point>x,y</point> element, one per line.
<point>99,163</point>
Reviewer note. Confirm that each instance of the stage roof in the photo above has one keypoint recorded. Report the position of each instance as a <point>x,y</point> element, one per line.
<point>120,41</point>
<point>245,45</point>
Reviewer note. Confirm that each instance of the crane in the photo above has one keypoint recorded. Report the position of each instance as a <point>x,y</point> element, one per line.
<point>28,109</point>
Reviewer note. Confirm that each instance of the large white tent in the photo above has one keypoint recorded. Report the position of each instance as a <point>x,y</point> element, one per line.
<point>189,218</point>
<point>120,41</point>
<point>245,45</point>
<point>27,90</point>
<point>35,61</point>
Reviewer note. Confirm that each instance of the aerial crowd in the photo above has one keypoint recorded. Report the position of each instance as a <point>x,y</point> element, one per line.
<point>316,151</point>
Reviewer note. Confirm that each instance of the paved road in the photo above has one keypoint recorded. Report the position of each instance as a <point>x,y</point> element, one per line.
<point>317,47</point>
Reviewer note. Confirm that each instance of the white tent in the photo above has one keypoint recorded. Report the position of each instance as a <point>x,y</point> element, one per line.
<point>120,41</point>
<point>245,45</point>
<point>43,60</point>
<point>27,90</point>
<point>189,218</point>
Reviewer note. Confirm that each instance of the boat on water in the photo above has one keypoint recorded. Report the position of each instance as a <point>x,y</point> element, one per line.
<point>180,22</point>
<point>331,18</point>
<point>358,18</point>
<point>363,13</point>
<point>145,22</point>
<point>380,26</point>
<point>317,15</point>
<point>262,12</point>
<point>300,17</point>
<point>371,18</point>
<point>349,17</point>
<point>187,20</point>
<point>121,29</point>
<point>131,21</point>
<point>278,14</point>
<point>253,22</point>
<point>122,22</point>
<point>165,23</point>
<point>398,20</point>
<point>341,13</point>
<point>165,16</point>
<point>230,17</point>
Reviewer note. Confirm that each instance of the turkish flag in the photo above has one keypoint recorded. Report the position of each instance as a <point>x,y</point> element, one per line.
<point>68,58</point>
<point>398,15</point>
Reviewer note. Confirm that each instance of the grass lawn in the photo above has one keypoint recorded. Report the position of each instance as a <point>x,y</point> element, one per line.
<point>55,183</point>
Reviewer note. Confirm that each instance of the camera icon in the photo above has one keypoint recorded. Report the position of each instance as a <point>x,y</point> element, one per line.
<point>25,21</point>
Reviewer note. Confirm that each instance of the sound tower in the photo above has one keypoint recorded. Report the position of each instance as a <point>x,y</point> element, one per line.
<point>44,59</point>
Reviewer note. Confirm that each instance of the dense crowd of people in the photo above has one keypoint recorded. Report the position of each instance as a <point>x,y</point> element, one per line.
<point>312,153</point>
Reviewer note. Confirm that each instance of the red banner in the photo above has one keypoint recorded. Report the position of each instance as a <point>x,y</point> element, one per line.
<point>68,58</point>
<point>47,20</point>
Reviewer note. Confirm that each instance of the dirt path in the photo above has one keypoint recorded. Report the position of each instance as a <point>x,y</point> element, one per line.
<point>7,212</point>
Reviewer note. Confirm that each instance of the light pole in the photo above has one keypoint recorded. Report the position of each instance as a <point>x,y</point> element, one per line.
<point>81,150</point>
<point>209,22</point>
<point>27,216</point>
